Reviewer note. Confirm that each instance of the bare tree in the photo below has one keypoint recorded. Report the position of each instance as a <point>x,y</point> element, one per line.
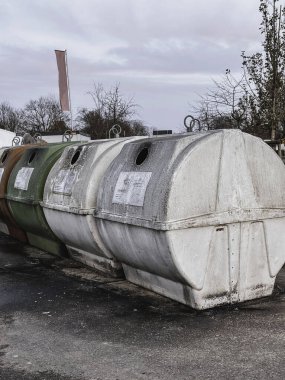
<point>221,107</point>
<point>255,102</point>
<point>44,115</point>
<point>10,118</point>
<point>92,122</point>
<point>110,107</point>
<point>117,108</point>
<point>138,128</point>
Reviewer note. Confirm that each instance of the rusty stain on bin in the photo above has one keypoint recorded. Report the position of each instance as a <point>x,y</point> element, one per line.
<point>8,159</point>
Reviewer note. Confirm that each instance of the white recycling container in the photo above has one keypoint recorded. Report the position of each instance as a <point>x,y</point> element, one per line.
<point>199,218</point>
<point>70,198</point>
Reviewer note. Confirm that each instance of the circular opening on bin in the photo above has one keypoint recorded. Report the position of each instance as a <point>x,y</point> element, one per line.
<point>4,156</point>
<point>32,156</point>
<point>75,157</point>
<point>141,157</point>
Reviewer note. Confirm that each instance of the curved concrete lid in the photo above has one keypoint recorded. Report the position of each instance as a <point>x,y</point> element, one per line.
<point>31,171</point>
<point>188,180</point>
<point>72,184</point>
<point>8,159</point>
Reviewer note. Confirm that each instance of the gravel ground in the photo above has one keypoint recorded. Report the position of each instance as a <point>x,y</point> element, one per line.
<point>62,321</point>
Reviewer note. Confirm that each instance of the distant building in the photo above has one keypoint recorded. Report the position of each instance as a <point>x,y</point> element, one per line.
<point>6,138</point>
<point>158,132</point>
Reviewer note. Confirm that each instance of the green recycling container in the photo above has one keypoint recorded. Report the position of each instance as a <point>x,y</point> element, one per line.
<point>25,192</point>
<point>8,159</point>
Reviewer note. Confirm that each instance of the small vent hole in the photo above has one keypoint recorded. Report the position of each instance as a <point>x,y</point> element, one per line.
<point>75,157</point>
<point>5,155</point>
<point>142,156</point>
<point>32,156</point>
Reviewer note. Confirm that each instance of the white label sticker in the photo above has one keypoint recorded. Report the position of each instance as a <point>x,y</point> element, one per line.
<point>23,178</point>
<point>131,187</point>
<point>4,228</point>
<point>64,181</point>
<point>1,173</point>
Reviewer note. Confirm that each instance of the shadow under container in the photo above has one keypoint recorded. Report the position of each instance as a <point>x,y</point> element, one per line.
<point>8,159</point>
<point>199,218</point>
<point>70,199</point>
<point>25,192</point>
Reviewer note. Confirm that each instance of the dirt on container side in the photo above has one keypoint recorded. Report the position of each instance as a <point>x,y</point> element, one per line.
<point>196,217</point>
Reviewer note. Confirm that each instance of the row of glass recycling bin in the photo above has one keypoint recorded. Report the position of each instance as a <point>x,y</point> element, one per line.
<point>197,217</point>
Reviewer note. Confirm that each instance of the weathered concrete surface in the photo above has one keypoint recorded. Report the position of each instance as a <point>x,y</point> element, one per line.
<point>157,221</point>
<point>60,321</point>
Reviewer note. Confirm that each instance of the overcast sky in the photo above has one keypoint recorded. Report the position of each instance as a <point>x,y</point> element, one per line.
<point>163,52</point>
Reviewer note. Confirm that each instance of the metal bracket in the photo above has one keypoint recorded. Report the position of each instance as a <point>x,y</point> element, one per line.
<point>192,123</point>
<point>115,130</point>
<point>16,141</point>
<point>67,136</point>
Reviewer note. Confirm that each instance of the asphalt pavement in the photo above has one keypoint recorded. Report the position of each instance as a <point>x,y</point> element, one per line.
<point>62,321</point>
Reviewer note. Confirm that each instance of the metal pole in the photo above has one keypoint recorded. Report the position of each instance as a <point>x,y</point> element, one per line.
<point>69,97</point>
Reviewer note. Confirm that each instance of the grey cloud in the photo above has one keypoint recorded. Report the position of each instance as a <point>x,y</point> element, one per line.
<point>202,57</point>
<point>162,52</point>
